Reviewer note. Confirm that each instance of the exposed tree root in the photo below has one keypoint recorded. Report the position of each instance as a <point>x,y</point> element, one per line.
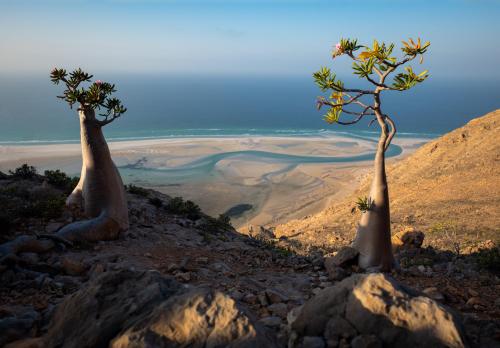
<point>56,239</point>
<point>26,244</point>
<point>98,229</point>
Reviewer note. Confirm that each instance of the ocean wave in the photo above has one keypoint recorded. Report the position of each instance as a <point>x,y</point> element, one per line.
<point>225,133</point>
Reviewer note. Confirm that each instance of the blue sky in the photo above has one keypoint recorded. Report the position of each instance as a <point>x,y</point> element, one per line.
<point>239,37</point>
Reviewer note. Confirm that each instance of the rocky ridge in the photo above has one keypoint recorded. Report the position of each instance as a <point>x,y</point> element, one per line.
<point>448,188</point>
<point>180,278</point>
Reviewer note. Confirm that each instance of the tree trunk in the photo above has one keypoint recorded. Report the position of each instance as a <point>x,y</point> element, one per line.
<point>100,191</point>
<point>373,236</point>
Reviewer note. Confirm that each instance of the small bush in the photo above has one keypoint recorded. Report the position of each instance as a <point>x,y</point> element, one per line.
<point>273,246</point>
<point>21,201</point>
<point>188,208</point>
<point>216,225</point>
<point>156,202</point>
<point>48,208</point>
<point>363,204</point>
<point>224,220</point>
<point>489,259</point>
<point>24,172</point>
<point>6,221</point>
<point>448,231</point>
<point>137,190</point>
<point>60,180</point>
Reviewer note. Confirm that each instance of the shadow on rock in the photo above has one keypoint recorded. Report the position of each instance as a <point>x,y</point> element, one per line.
<point>145,309</point>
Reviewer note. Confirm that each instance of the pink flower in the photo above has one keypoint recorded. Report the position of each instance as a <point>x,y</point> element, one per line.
<point>98,82</point>
<point>338,46</point>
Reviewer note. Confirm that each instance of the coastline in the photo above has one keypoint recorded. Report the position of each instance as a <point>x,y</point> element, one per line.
<point>280,177</point>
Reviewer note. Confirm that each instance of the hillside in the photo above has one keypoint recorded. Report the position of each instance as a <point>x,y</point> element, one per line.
<point>449,188</point>
<point>177,268</point>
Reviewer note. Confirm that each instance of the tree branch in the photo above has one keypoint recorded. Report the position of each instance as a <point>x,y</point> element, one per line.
<point>107,120</point>
<point>402,62</point>
<point>357,119</point>
<point>391,133</point>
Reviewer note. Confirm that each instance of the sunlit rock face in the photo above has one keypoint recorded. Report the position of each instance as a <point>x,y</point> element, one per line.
<point>145,309</point>
<point>375,308</point>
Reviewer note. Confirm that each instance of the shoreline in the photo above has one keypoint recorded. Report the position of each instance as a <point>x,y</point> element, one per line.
<point>281,177</point>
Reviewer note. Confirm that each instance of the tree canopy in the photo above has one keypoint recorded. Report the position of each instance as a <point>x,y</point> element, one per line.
<point>373,64</point>
<point>96,96</point>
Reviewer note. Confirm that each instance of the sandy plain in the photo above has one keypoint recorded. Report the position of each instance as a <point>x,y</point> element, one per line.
<point>274,178</point>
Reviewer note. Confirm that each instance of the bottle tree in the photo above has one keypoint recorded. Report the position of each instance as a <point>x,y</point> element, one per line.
<point>375,64</point>
<point>100,192</point>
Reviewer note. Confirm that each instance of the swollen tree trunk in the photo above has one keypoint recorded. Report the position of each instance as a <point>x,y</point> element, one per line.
<point>373,236</point>
<point>100,194</point>
<point>100,191</point>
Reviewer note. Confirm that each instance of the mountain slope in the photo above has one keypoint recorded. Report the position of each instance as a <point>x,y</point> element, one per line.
<point>449,186</point>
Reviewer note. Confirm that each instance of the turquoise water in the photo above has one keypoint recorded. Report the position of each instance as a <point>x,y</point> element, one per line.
<point>205,167</point>
<point>192,106</point>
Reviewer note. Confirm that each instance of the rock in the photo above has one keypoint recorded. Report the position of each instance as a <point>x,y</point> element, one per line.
<point>316,291</point>
<point>318,261</point>
<point>473,301</point>
<point>338,327</point>
<point>237,295</point>
<point>279,309</point>
<point>433,293</point>
<point>97,269</point>
<point>263,300</point>
<point>375,304</point>
<point>250,299</point>
<point>199,318</point>
<point>497,302</point>
<point>265,233</point>
<point>172,267</point>
<point>473,292</point>
<point>344,257</point>
<point>202,260</point>
<point>273,322</point>
<point>366,341</point>
<point>292,315</point>
<point>335,273</point>
<point>274,296</point>
<point>143,309</point>
<point>73,266</point>
<point>221,267</point>
<point>408,238</point>
<point>30,258</point>
<point>312,342</point>
<point>53,227</point>
<point>19,324</point>
<point>183,276</point>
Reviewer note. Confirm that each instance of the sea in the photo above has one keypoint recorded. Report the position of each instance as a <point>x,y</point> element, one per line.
<point>175,106</point>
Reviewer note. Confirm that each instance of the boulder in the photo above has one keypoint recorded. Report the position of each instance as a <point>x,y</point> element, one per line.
<point>73,266</point>
<point>198,318</point>
<point>18,322</point>
<point>129,308</point>
<point>376,311</point>
<point>408,238</point>
<point>335,273</point>
<point>344,257</point>
<point>366,341</point>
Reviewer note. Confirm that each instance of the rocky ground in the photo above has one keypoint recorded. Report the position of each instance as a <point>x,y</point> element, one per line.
<point>448,188</point>
<point>266,278</point>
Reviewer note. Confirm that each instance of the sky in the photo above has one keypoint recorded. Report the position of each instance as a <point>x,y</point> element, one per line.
<point>240,37</point>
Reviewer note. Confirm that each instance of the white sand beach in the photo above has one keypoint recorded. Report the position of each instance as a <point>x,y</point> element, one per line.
<point>220,173</point>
